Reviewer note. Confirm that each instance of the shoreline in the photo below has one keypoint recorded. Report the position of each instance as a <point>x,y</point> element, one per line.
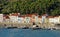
<point>10,25</point>
<point>32,28</point>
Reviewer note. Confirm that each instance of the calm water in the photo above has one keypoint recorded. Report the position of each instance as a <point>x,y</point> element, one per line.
<point>29,33</point>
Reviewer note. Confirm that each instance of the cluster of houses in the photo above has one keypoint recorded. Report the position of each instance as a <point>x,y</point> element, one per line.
<point>29,18</point>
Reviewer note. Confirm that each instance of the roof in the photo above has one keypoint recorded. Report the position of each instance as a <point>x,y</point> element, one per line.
<point>56,16</point>
<point>45,15</point>
<point>40,16</point>
<point>22,16</point>
<point>6,17</point>
<point>50,17</point>
<point>14,14</point>
<point>30,15</point>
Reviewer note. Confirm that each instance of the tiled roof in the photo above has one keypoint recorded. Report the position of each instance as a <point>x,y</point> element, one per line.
<point>15,14</point>
<point>22,16</point>
<point>30,15</point>
<point>56,16</point>
<point>50,17</point>
<point>6,17</point>
<point>40,16</point>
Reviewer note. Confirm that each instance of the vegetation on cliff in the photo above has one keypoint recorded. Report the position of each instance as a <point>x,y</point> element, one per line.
<point>51,7</point>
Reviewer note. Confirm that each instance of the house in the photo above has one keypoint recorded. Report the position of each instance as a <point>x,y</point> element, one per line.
<point>21,19</point>
<point>40,19</point>
<point>59,19</point>
<point>51,19</point>
<point>13,18</point>
<point>56,19</point>
<point>1,17</point>
<point>27,19</point>
<point>30,18</point>
<point>6,18</point>
<point>34,18</point>
<point>43,18</point>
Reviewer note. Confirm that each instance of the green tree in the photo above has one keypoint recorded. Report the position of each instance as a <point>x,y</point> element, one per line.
<point>51,7</point>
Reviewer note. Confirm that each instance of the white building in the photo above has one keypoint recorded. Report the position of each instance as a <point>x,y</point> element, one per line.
<point>51,20</point>
<point>56,20</point>
<point>20,20</point>
<point>59,19</point>
<point>13,18</point>
<point>36,19</point>
<point>1,17</point>
<point>27,19</point>
<point>40,20</point>
<point>43,19</point>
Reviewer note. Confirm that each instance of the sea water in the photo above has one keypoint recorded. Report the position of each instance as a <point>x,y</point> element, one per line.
<point>29,33</point>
